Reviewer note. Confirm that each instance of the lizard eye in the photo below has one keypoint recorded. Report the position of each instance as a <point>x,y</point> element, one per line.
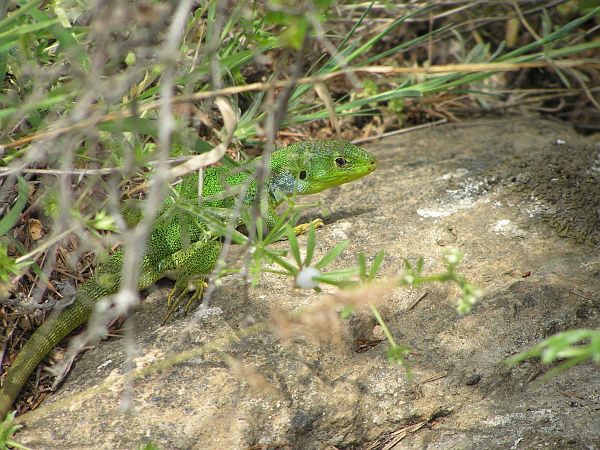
<point>302,175</point>
<point>340,162</point>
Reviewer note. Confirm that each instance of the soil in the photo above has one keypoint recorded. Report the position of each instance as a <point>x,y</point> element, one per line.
<point>519,197</point>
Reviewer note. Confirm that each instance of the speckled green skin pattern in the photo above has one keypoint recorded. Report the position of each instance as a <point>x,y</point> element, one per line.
<point>302,168</point>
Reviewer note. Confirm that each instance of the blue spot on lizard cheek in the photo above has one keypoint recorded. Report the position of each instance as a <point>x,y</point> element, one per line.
<point>285,183</point>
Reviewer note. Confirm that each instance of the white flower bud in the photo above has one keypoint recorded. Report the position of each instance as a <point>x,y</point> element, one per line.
<point>305,278</point>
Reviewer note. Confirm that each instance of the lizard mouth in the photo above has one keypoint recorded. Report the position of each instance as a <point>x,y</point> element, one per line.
<point>365,169</point>
<point>358,171</point>
<point>372,165</point>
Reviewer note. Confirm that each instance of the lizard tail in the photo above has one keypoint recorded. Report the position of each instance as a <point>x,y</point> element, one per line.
<point>54,329</point>
<point>45,338</point>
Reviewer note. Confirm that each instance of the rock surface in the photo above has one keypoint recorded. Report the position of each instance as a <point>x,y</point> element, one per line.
<point>519,197</point>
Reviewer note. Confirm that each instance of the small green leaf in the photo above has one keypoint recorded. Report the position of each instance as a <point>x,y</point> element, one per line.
<point>362,266</point>
<point>310,245</point>
<point>103,221</point>
<point>397,354</point>
<point>277,17</point>
<point>595,347</point>
<point>332,254</point>
<point>7,431</point>
<point>148,446</point>
<point>420,263</point>
<point>277,232</point>
<point>470,294</point>
<point>282,262</point>
<point>8,266</point>
<point>12,216</point>
<point>294,34</point>
<point>561,345</point>
<point>259,227</point>
<point>346,312</point>
<point>130,59</point>
<point>341,278</point>
<point>293,241</point>
<point>376,264</point>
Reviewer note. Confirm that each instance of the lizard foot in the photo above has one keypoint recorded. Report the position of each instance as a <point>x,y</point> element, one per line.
<point>303,227</point>
<point>178,294</point>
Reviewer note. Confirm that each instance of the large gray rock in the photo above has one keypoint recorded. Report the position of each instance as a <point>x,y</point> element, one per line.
<point>520,197</point>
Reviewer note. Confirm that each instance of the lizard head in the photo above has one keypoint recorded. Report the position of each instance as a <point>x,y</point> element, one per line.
<point>312,166</point>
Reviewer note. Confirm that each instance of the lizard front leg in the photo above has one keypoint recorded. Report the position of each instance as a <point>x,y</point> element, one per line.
<point>189,268</point>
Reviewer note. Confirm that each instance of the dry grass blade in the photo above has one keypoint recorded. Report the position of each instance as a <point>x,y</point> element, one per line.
<point>390,441</point>
<point>325,96</point>
<point>262,86</point>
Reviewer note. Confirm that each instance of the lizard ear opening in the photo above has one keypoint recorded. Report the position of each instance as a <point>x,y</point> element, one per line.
<point>302,175</point>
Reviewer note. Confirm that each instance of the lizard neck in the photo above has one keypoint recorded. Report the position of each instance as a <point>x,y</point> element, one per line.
<point>282,184</point>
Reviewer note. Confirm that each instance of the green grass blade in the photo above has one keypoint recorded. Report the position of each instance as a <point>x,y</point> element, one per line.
<point>293,241</point>
<point>277,232</point>
<point>282,262</point>
<point>356,25</point>
<point>310,245</point>
<point>332,254</point>
<point>405,45</point>
<point>12,216</point>
<point>4,23</point>
<point>362,266</point>
<point>371,42</point>
<point>12,36</point>
<point>23,251</point>
<point>376,264</point>
<point>65,36</point>
<point>563,31</point>
<point>50,100</point>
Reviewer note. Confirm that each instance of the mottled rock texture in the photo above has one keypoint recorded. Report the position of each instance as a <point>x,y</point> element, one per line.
<point>519,197</point>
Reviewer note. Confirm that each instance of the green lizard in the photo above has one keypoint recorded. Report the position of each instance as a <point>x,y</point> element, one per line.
<point>301,168</point>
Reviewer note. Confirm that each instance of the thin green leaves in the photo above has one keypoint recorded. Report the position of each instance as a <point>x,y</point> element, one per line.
<point>25,7</point>
<point>9,38</point>
<point>12,216</point>
<point>310,245</point>
<point>331,255</point>
<point>307,274</point>
<point>558,34</point>
<point>368,274</point>
<point>293,242</point>
<point>7,431</point>
<point>349,56</point>
<point>39,22</point>
<point>8,266</point>
<point>571,347</point>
